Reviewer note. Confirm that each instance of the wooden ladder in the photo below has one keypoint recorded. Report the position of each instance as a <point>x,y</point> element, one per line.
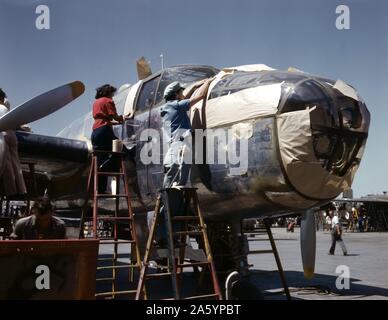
<point>274,251</point>
<point>189,223</point>
<point>97,220</point>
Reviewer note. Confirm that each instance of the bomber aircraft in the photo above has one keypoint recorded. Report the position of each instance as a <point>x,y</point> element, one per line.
<point>305,137</point>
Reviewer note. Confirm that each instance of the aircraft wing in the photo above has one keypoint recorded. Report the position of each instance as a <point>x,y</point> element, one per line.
<point>51,156</point>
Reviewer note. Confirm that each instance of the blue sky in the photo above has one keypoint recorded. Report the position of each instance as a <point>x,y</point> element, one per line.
<point>98,41</point>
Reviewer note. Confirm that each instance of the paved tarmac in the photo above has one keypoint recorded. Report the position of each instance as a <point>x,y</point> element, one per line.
<point>367,261</point>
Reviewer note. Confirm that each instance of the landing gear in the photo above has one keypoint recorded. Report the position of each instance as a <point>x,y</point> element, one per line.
<point>246,289</point>
<point>230,248</point>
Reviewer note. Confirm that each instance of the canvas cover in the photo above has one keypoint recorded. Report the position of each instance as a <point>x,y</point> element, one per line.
<point>299,161</point>
<point>243,105</point>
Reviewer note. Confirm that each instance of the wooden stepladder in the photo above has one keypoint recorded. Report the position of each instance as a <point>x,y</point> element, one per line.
<point>267,230</point>
<point>98,220</point>
<point>179,225</point>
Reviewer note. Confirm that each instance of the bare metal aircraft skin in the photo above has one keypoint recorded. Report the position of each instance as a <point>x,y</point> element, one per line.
<point>302,154</point>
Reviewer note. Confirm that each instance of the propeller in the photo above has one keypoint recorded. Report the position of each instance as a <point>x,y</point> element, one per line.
<point>41,106</point>
<point>143,68</point>
<point>308,243</point>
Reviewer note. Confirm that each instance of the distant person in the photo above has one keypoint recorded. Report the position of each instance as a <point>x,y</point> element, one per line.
<point>354,219</point>
<point>360,222</point>
<point>348,220</point>
<point>328,222</point>
<point>12,181</point>
<point>104,112</point>
<point>336,235</point>
<point>291,225</point>
<point>40,225</point>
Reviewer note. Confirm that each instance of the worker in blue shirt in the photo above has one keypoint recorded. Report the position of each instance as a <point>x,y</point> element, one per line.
<point>177,130</point>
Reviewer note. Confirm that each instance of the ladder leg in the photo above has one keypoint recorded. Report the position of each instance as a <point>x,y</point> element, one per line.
<point>115,238</point>
<point>183,239</point>
<point>85,206</point>
<point>216,286</point>
<point>131,259</point>
<point>277,258</point>
<point>95,200</point>
<point>171,248</point>
<point>135,251</point>
<point>134,246</point>
<point>148,251</point>
<point>131,215</point>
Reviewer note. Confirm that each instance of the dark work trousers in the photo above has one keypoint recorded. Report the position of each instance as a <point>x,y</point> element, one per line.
<point>179,174</point>
<point>102,141</point>
<point>335,237</point>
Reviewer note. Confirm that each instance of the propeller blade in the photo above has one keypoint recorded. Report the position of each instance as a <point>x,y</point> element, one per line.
<point>143,68</point>
<point>41,106</point>
<point>308,243</point>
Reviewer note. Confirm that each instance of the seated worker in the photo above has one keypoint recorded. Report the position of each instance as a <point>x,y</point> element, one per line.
<point>40,225</point>
<point>104,112</point>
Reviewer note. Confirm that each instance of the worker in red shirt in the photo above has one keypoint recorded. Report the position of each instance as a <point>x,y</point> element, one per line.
<point>104,112</point>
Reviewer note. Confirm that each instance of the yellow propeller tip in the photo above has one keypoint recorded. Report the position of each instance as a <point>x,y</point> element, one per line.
<point>77,88</point>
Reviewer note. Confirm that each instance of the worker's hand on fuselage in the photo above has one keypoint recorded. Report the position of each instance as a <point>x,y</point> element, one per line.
<point>202,92</point>
<point>118,118</point>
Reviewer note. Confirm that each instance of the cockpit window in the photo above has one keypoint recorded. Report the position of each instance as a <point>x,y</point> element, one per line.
<point>310,95</point>
<point>235,82</point>
<point>353,114</point>
<point>306,95</point>
<point>241,80</point>
<point>185,75</point>
<point>147,94</point>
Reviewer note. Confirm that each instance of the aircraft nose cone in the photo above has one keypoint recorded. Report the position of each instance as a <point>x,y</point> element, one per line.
<point>322,134</point>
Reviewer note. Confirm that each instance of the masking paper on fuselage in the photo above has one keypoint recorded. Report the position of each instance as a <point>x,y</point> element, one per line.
<point>243,105</point>
<point>303,170</point>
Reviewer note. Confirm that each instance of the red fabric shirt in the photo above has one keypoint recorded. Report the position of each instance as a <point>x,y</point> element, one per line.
<point>102,109</point>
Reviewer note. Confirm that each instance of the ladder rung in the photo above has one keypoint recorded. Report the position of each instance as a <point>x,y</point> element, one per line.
<point>105,294</point>
<point>158,275</point>
<point>260,251</point>
<point>188,233</point>
<point>118,267</point>
<point>105,279</point>
<point>184,218</point>
<point>117,241</point>
<point>106,259</point>
<point>114,218</point>
<point>256,233</point>
<point>214,295</point>
<point>113,174</point>
<point>109,259</point>
<point>111,195</point>
<point>194,264</point>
